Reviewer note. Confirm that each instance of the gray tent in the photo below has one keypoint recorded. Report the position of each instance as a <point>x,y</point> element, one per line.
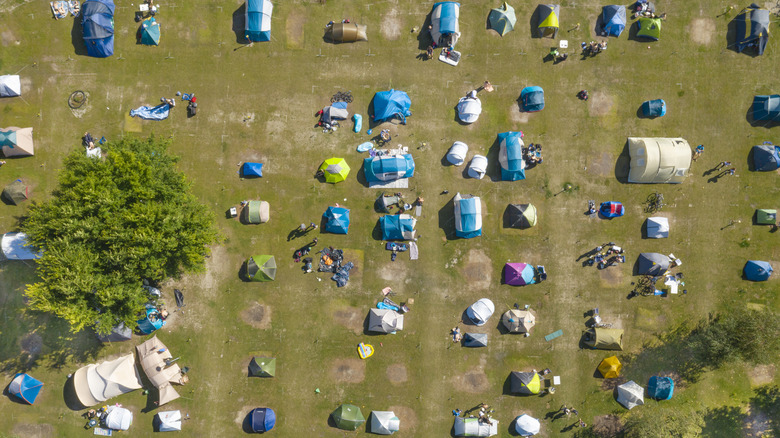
<point>630,394</point>
<point>384,422</point>
<point>657,227</point>
<point>15,192</point>
<point>385,321</point>
<point>478,166</point>
<point>475,340</point>
<point>652,263</point>
<point>119,333</point>
<point>14,247</point>
<point>10,86</point>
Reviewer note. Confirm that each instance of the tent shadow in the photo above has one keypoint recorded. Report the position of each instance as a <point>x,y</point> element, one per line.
<point>502,330</point>
<point>635,268</point>
<point>506,222</point>
<point>424,38</point>
<point>376,233</point>
<point>598,28</point>
<point>506,389</point>
<point>731,35</point>
<point>239,24</point>
<point>447,220</point>
<point>759,123</point>
<point>644,230</point>
<point>12,398</point>
<point>632,31</point>
<point>366,332</point>
<point>77,37</point>
<point>533,24</point>
<point>623,165</point>
<point>465,320</point>
<point>242,273</point>
<point>511,429</point>
<point>361,175</point>
<point>246,425</point>
<point>70,398</point>
<point>494,167</point>
<point>332,422</point>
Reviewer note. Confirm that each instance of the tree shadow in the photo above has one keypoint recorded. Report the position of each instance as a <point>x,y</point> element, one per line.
<point>447,220</point>
<point>623,165</point>
<point>77,37</point>
<point>239,24</point>
<point>723,421</point>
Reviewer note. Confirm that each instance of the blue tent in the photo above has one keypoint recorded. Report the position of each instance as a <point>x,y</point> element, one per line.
<point>258,20</point>
<point>468,216</point>
<point>654,108</point>
<point>263,419</point>
<point>752,27</point>
<point>25,387</point>
<point>766,107</point>
<point>611,209</point>
<point>152,322</point>
<point>336,220</point>
<point>252,170</point>
<point>150,32</point>
<point>445,29</point>
<point>660,388</point>
<point>532,99</point>
<point>766,157</point>
<point>510,156</point>
<point>613,18</point>
<point>97,22</point>
<point>389,104</point>
<point>388,168</point>
<point>757,270</point>
<point>397,227</point>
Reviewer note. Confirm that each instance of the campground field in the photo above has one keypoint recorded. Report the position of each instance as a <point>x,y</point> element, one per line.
<point>257,103</point>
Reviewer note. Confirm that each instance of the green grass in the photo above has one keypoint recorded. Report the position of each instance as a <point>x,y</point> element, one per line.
<point>280,85</point>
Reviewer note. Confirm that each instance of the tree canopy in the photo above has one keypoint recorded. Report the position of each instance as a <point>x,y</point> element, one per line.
<point>110,224</point>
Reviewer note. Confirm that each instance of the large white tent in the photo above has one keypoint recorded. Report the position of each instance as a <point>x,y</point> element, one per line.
<point>95,384</point>
<point>14,247</point>
<point>385,321</point>
<point>10,86</point>
<point>526,425</point>
<point>384,422</point>
<point>658,160</point>
<point>457,153</point>
<point>474,427</point>
<point>657,227</point>
<point>469,109</point>
<point>481,311</point>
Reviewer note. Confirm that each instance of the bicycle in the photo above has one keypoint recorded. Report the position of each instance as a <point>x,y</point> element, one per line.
<point>342,96</point>
<point>655,202</point>
<point>645,286</point>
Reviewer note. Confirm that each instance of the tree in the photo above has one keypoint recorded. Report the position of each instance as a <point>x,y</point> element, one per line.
<point>110,224</point>
<point>664,423</point>
<point>741,334</point>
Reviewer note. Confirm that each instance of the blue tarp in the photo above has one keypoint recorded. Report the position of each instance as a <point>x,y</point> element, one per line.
<point>660,388</point>
<point>766,157</point>
<point>532,99</point>
<point>258,20</point>
<point>159,112</point>
<point>510,156</point>
<point>654,108</point>
<point>341,277</point>
<point>468,219</point>
<point>152,322</point>
<point>394,227</point>
<point>336,220</point>
<point>97,22</point>
<point>756,270</point>
<point>766,107</point>
<point>263,419</point>
<point>388,168</point>
<point>389,104</point>
<point>251,170</point>
<point>611,209</point>
<point>25,387</point>
<point>358,120</point>
<point>613,18</point>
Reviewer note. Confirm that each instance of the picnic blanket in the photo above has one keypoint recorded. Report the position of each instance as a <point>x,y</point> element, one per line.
<point>342,275</point>
<point>62,8</point>
<point>413,253</point>
<point>159,112</point>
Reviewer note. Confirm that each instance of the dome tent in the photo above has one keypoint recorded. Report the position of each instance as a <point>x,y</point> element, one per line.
<point>169,421</point>
<point>262,419</point>
<point>118,418</point>
<point>766,157</point>
<point>262,366</point>
<point>756,270</point>
<point>457,153</point>
<point>391,104</point>
<point>660,388</point>
<point>469,108</point>
<point>17,142</point>
<point>526,425</point>
<point>261,268</point>
<point>657,227</point>
<point>97,23</point>
<point>348,417</point>
<point>10,86</point>
<point>479,312</point>
<point>518,321</point>
<point>502,19</point>
<point>630,395</point>
<point>652,263</point>
<point>385,321</point>
<point>384,422</point>
<point>548,20</point>
<point>610,367</point>
<point>519,274</point>
<point>613,19</point>
<point>336,220</point>
<point>25,387</point>
<point>528,383</point>
<point>521,215</point>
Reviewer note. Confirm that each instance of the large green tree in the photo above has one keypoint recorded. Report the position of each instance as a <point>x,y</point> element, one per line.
<point>111,223</point>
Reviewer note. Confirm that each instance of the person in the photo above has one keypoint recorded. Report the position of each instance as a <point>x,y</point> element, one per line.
<point>554,52</point>
<point>456,412</point>
<point>302,228</point>
<point>583,95</point>
<point>472,94</point>
<point>89,141</point>
<point>313,226</point>
<point>732,171</point>
<point>697,152</point>
<point>2,162</point>
<point>582,423</point>
<point>429,52</point>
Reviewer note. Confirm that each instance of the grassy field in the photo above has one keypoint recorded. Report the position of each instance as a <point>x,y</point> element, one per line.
<point>256,103</point>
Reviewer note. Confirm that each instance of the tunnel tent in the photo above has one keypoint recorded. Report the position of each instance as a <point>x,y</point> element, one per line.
<point>468,216</point>
<point>346,32</point>
<point>257,20</point>
<point>478,166</point>
<point>469,108</point>
<point>479,312</point>
<point>765,216</point>
<point>658,160</point>
<point>457,153</point>
<point>445,29</point>
<point>603,338</point>
<point>510,156</point>
<point>255,212</point>
<point>472,426</point>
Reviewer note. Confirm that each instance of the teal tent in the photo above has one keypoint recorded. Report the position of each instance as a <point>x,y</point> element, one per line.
<point>150,32</point>
<point>502,19</point>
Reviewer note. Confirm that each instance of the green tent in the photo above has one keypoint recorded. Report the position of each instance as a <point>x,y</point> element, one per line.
<point>15,192</point>
<point>255,212</point>
<point>502,19</point>
<point>348,417</point>
<point>604,338</point>
<point>521,215</point>
<point>261,268</point>
<point>335,170</point>
<point>649,28</point>
<point>548,20</point>
<point>262,367</point>
<point>766,217</point>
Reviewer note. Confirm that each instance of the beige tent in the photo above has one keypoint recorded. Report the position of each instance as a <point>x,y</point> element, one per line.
<point>346,32</point>
<point>518,321</point>
<point>658,160</point>
<point>153,355</point>
<point>95,384</point>
<point>16,142</point>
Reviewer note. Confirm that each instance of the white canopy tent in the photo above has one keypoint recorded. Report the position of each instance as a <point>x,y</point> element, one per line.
<point>384,422</point>
<point>469,109</point>
<point>95,384</point>
<point>481,311</point>
<point>526,425</point>
<point>630,394</point>
<point>474,427</point>
<point>385,321</point>
<point>457,153</point>
<point>153,356</point>
<point>657,227</point>
<point>10,86</point>
<point>658,160</point>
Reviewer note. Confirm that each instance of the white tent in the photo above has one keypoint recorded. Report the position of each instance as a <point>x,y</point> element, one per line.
<point>481,311</point>
<point>17,142</point>
<point>457,154</point>
<point>170,421</point>
<point>118,418</point>
<point>474,427</point>
<point>384,422</point>
<point>630,394</point>
<point>469,109</point>
<point>14,247</point>
<point>658,160</point>
<point>153,355</point>
<point>95,384</point>
<point>10,86</point>
<point>385,321</point>
<point>478,166</point>
<point>657,227</point>
<point>526,425</point>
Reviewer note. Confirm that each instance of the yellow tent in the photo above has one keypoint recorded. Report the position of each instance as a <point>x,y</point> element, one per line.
<point>610,367</point>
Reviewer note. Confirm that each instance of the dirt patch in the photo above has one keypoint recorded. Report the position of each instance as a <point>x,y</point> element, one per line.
<point>473,382</point>
<point>611,384</point>
<point>394,271</point>
<point>294,29</point>
<point>607,425</point>
<point>33,430</point>
<point>611,276</point>
<point>257,315</point>
<point>516,115</point>
<point>478,269</point>
<point>391,25</point>
<point>7,37</point>
<point>408,420</point>
<point>397,374</point>
<point>602,165</point>
<point>348,370</point>
<point>599,104</point>
<point>762,375</point>
<point>702,30</point>
<point>351,318</point>
<point>31,344</point>
<point>242,413</point>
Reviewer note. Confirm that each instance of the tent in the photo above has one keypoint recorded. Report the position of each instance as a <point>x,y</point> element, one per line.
<point>10,86</point>
<point>261,268</point>
<point>525,382</point>
<point>335,111</point>
<point>658,160</point>
<point>603,338</point>
<point>25,387</point>
<point>444,29</point>
<point>660,388</point>
<point>652,263</point>
<point>457,153</point>
<point>611,209</point>
<point>388,168</point>
<point>756,270</point>
<point>649,28</point>
<point>469,109</point>
<point>151,322</point>
<point>14,247</point>
<point>335,169</point>
<point>385,321</point>
<point>532,99</point>
<point>521,215</point>
<point>766,107</point>
<point>475,339</point>
<point>256,212</point>
<point>766,217</point>
<point>630,394</point>
<point>169,421</point>
<point>610,367</point>
<point>150,32</point>
<point>262,419</point>
<point>510,156</point>
<point>478,166</point>
<point>17,142</point>
<point>95,384</point>
<point>479,312</point>
<point>118,418</point>
<point>348,417</point>
<point>468,216</point>
<point>155,359</point>
<point>258,20</point>
<point>97,22</point>
<point>526,425</point>
<point>262,367</point>
<point>15,192</point>
<point>384,422</point>
<point>390,104</point>
<point>336,220</point>
<point>251,170</point>
<point>752,28</point>
<point>346,32</point>
<point>502,19</point>
<point>613,20</point>
<point>766,157</point>
<point>474,427</point>
<point>397,226</point>
<point>654,108</point>
<point>519,274</point>
<point>548,20</point>
<point>119,333</point>
<point>518,321</point>
<point>657,227</point>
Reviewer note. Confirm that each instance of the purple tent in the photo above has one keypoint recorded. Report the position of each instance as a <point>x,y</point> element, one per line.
<point>519,274</point>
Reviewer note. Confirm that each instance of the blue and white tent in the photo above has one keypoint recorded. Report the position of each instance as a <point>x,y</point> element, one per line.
<point>336,220</point>
<point>388,168</point>
<point>263,419</point>
<point>152,322</point>
<point>468,216</point>
<point>613,19</point>
<point>97,22</point>
<point>532,99</point>
<point>258,20</point>
<point>445,29</point>
<point>766,157</point>
<point>660,388</point>
<point>766,107</point>
<point>510,156</point>
<point>756,270</point>
<point>251,170</point>
<point>390,104</point>
<point>397,227</point>
<point>654,108</point>
<point>25,387</point>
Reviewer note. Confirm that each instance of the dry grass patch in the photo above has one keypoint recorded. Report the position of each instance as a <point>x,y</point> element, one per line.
<point>351,370</point>
<point>702,30</point>
<point>397,374</point>
<point>257,315</point>
<point>600,104</point>
<point>351,318</point>
<point>473,382</point>
<point>477,269</point>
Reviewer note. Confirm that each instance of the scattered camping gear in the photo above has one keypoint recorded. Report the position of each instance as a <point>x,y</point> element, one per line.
<point>261,268</point>
<point>468,216</point>
<point>385,321</point>
<point>365,350</point>
<point>397,227</point>
<point>17,142</point>
<point>766,216</point>
<point>469,108</point>
<point>258,20</point>
<point>654,108</point>
<point>518,321</point>
<point>766,107</point>
<point>255,212</point>
<point>610,367</point>
<point>152,322</point>
<point>14,247</point>
<point>475,340</point>
<point>25,387</point>
<point>511,156</point>
<point>146,112</point>
<point>649,28</point>
<point>548,21</point>
<point>658,160</point>
<point>118,418</point>
<point>385,203</point>
<point>478,166</point>
<point>391,104</point>
<point>150,32</point>
<point>335,170</point>
<point>387,168</point>
<point>752,29</point>
<point>348,417</point>
<point>457,153</point>
<point>62,8</point>
<point>97,383</point>
<point>502,19</point>
<point>613,20</point>
<point>345,32</point>
<point>251,170</point>
<point>97,23</point>
<point>766,157</point>
<point>521,215</point>
<point>660,388</point>
<point>652,263</point>
<point>262,367</point>
<point>160,367</point>
<point>384,422</point>
<point>10,86</point>
<point>526,425</point>
<point>262,419</point>
<point>528,383</point>
<point>603,338</point>
<point>630,394</point>
<point>657,228</point>
<point>336,220</point>
<point>15,192</point>
<point>179,298</point>
<point>756,270</point>
<point>169,421</point>
<point>479,312</point>
<point>119,333</point>
<point>445,29</point>
<point>335,111</point>
<point>474,427</point>
<point>519,274</point>
<point>532,99</point>
<point>611,209</point>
